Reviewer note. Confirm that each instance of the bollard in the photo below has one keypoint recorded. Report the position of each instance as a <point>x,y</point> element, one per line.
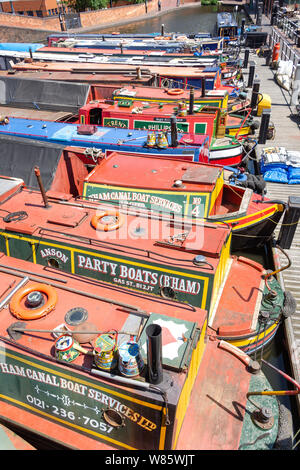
<point>297,38</point>
<point>255,92</point>
<point>243,26</point>
<point>174,141</point>
<point>264,126</point>
<point>162,30</point>
<point>191,107</point>
<point>289,223</point>
<point>203,85</point>
<point>246,58</point>
<point>251,74</point>
<point>259,13</point>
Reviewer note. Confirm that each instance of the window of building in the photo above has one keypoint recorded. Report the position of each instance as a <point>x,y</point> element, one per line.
<point>39,13</point>
<point>30,13</point>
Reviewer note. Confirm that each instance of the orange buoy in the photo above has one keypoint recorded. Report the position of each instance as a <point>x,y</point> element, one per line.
<point>98,224</point>
<point>175,91</point>
<point>18,307</point>
<point>275,55</point>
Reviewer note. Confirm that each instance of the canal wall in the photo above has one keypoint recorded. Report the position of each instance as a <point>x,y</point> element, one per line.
<point>20,28</point>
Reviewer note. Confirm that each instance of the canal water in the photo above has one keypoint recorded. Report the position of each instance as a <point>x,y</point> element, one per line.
<point>189,19</point>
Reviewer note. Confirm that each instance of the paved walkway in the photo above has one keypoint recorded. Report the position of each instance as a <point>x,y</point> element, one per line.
<point>287,134</point>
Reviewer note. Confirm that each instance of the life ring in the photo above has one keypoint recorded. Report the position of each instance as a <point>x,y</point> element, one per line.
<point>175,91</point>
<point>106,227</point>
<point>19,310</point>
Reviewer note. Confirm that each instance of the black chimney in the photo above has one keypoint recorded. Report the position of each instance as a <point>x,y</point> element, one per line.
<point>154,353</point>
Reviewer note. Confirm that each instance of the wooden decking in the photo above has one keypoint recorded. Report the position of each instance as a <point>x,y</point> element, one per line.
<point>287,134</point>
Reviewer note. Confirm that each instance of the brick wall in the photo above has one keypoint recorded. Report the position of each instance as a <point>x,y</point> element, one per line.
<point>90,19</point>
<point>123,13</point>
<point>32,22</point>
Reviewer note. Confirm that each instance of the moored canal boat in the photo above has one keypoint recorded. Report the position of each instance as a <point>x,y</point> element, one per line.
<point>163,257</point>
<point>157,117</point>
<point>62,343</point>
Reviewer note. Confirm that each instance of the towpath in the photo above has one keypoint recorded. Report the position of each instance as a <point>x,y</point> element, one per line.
<point>287,134</point>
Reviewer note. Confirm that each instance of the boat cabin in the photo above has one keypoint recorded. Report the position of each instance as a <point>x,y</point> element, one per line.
<point>226,25</point>
<point>129,114</point>
<point>158,184</point>
<point>215,98</point>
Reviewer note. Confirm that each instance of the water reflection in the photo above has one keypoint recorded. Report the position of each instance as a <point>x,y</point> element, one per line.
<point>186,20</point>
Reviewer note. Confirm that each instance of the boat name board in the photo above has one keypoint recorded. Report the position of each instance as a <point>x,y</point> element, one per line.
<point>163,279</point>
<point>77,402</point>
<point>189,204</point>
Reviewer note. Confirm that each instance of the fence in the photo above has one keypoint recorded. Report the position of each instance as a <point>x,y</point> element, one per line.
<point>287,34</point>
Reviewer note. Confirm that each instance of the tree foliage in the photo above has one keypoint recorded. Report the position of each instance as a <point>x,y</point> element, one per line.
<point>82,5</point>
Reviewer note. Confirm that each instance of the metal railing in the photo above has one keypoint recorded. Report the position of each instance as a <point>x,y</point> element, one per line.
<point>290,27</point>
<point>287,34</point>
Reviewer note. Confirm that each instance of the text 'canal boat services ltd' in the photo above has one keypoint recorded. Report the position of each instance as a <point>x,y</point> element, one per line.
<point>165,258</point>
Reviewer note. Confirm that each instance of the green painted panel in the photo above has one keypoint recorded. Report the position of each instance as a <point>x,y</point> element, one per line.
<point>20,248</point>
<point>180,203</point>
<point>177,335</point>
<point>161,125</point>
<point>58,257</point>
<point>162,279</point>
<point>112,122</point>
<point>71,400</point>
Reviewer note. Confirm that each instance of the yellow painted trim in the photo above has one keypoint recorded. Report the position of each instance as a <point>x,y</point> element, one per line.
<point>33,253</point>
<point>254,339</point>
<point>7,245</point>
<point>184,399</point>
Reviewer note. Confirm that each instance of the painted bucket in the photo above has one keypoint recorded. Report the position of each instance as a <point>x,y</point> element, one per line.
<point>151,141</point>
<point>65,348</point>
<point>162,141</point>
<point>105,351</point>
<point>130,359</point>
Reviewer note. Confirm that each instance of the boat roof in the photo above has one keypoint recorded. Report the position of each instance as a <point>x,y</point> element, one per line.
<point>63,133</point>
<point>43,95</point>
<point>156,92</point>
<point>90,67</point>
<point>22,155</point>
<point>154,173</point>
<point>144,108</point>
<point>68,76</point>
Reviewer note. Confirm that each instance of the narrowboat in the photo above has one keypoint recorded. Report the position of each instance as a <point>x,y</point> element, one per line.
<point>204,192</point>
<point>190,147</point>
<point>57,38</point>
<point>90,368</point>
<point>53,55</point>
<point>217,98</point>
<point>201,191</point>
<point>227,25</point>
<point>158,117</point>
<point>163,257</point>
<point>180,76</point>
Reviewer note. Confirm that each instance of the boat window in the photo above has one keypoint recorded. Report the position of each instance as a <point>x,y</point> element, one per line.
<point>95,116</point>
<point>53,263</point>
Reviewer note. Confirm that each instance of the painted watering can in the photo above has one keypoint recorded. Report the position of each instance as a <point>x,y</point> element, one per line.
<point>130,359</point>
